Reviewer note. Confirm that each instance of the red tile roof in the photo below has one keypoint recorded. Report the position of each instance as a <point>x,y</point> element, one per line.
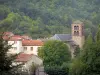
<point>23,57</point>
<point>8,34</point>
<point>32,43</point>
<point>6,38</point>
<point>15,38</point>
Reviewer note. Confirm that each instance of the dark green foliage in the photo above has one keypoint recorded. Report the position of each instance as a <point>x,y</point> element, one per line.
<point>98,35</point>
<point>55,54</point>
<point>4,11</point>
<point>40,53</point>
<point>47,17</point>
<point>88,63</point>
<point>88,41</point>
<point>56,70</point>
<point>77,51</point>
<point>6,67</point>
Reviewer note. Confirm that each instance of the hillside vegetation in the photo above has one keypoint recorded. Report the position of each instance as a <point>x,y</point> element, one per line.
<point>43,18</point>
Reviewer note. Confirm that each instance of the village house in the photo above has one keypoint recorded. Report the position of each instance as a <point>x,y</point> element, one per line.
<point>31,46</point>
<point>29,61</point>
<point>27,50</point>
<point>22,44</point>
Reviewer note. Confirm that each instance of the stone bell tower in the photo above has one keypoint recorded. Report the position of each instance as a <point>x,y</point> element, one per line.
<point>78,33</point>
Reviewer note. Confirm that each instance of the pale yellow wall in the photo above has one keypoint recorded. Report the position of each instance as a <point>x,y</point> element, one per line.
<point>79,40</point>
<point>29,51</point>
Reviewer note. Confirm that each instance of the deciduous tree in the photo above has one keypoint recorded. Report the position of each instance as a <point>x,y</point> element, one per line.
<point>55,54</point>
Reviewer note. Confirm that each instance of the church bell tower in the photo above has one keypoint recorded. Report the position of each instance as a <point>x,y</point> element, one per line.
<point>78,33</point>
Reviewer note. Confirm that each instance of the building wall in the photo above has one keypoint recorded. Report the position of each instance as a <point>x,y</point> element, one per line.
<point>34,60</point>
<point>27,66</point>
<point>78,40</point>
<point>78,34</point>
<point>29,51</point>
<point>16,47</point>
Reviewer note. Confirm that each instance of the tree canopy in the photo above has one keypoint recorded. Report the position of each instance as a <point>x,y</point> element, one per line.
<point>6,60</point>
<point>44,18</point>
<point>56,57</point>
<point>89,60</point>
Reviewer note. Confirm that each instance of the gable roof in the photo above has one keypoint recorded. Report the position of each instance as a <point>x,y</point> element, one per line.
<point>62,37</point>
<point>8,34</point>
<point>15,38</point>
<point>32,43</point>
<point>77,22</point>
<point>23,57</point>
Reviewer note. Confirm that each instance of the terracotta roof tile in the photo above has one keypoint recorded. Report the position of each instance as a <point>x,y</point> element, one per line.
<point>8,34</point>
<point>23,57</point>
<point>32,43</point>
<point>15,38</point>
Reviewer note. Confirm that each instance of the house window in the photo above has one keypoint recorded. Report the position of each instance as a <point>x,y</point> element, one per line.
<point>15,42</point>
<point>25,48</point>
<point>31,48</point>
<point>15,48</point>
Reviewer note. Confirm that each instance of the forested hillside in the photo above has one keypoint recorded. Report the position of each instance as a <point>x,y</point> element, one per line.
<point>43,18</point>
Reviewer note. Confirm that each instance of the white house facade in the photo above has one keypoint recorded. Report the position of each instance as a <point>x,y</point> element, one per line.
<point>22,44</point>
<point>31,46</point>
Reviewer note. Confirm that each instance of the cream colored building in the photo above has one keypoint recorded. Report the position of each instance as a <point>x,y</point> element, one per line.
<point>31,46</point>
<point>21,44</point>
<point>28,61</point>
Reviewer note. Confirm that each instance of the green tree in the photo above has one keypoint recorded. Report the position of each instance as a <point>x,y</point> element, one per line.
<point>88,62</point>
<point>55,54</point>
<point>40,52</point>
<point>88,41</point>
<point>4,11</point>
<point>98,35</point>
<point>6,66</point>
<point>76,51</point>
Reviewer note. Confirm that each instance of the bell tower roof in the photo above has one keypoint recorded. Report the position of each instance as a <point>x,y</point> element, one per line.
<point>77,22</point>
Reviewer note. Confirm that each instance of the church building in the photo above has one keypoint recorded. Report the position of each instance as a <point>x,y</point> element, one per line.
<point>76,38</point>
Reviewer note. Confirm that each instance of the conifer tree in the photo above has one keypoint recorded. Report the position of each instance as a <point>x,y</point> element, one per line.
<point>88,41</point>
<point>6,67</point>
<point>76,51</point>
<point>98,35</point>
<point>88,63</point>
